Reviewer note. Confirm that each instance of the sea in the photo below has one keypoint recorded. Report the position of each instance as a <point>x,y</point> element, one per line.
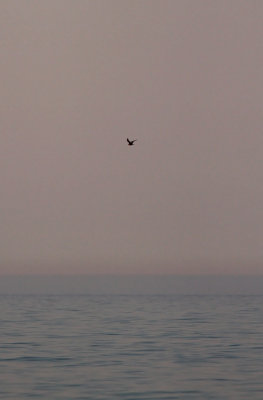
<point>129,343</point>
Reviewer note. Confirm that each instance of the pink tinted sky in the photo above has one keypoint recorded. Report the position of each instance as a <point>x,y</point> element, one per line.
<point>185,78</point>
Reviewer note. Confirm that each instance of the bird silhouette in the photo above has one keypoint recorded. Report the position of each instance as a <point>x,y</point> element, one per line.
<point>131,142</point>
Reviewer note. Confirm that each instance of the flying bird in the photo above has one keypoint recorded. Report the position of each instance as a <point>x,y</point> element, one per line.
<point>131,142</point>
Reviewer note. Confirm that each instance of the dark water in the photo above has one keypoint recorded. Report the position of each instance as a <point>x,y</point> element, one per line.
<point>131,347</point>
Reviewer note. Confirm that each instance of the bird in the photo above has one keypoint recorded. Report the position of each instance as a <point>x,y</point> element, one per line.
<point>131,142</point>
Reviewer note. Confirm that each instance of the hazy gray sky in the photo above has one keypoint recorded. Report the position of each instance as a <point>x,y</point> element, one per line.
<point>78,78</point>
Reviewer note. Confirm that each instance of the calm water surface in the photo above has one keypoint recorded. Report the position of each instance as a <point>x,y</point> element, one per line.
<point>131,347</point>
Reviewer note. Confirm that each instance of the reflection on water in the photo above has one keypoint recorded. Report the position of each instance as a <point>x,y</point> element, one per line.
<point>131,347</point>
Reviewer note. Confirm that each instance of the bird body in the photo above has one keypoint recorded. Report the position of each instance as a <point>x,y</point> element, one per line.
<point>131,142</point>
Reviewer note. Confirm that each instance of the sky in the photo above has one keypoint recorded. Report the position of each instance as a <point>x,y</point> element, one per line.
<point>184,77</point>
